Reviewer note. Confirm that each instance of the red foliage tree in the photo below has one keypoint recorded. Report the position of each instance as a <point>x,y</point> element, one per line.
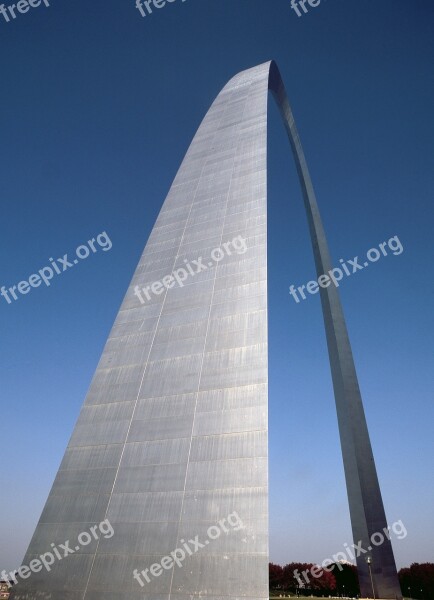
<point>299,577</point>
<point>275,576</point>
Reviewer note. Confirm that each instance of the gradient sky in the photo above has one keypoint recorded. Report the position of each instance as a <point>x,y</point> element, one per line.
<point>98,108</point>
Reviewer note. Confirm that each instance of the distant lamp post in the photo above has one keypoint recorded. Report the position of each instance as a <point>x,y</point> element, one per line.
<point>369,561</point>
<point>409,592</point>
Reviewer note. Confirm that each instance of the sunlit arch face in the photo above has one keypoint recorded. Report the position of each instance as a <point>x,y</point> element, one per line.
<point>171,442</point>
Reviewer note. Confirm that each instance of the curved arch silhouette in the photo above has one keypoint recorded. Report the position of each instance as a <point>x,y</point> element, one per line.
<point>171,441</point>
<point>364,495</point>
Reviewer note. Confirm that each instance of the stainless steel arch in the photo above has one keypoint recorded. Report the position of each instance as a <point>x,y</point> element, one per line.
<point>364,495</point>
<point>171,441</point>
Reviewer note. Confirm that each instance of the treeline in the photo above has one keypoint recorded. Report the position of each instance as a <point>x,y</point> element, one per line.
<point>417,581</point>
<point>340,579</point>
<point>308,579</point>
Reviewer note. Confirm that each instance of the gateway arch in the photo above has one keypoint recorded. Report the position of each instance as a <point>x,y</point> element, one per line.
<point>171,442</point>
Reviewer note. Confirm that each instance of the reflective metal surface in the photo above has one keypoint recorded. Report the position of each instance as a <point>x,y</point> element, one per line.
<point>172,436</point>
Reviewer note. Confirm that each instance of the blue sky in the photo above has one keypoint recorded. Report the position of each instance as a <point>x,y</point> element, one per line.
<point>98,108</point>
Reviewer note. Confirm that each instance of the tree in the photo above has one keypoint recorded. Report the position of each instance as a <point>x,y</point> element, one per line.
<point>292,576</point>
<point>275,576</point>
<point>347,581</point>
<point>307,578</point>
<point>324,584</point>
<point>418,581</point>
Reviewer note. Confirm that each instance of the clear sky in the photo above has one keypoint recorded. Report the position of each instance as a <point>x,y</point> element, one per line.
<point>98,107</point>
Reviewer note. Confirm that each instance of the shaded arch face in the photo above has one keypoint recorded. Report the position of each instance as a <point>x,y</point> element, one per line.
<point>171,442</point>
